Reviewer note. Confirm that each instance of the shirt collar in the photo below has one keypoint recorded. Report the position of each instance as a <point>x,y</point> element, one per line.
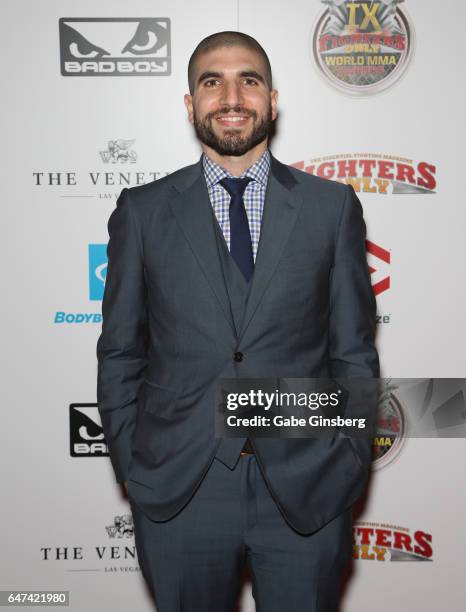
<point>259,171</point>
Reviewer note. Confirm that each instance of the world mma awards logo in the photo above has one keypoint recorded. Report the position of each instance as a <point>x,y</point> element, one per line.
<point>391,428</point>
<point>361,48</point>
<point>104,46</point>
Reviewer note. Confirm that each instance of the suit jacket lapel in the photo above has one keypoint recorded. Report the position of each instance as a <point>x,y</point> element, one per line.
<point>193,211</point>
<point>281,208</point>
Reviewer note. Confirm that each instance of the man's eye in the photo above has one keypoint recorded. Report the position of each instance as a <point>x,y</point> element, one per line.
<point>211,82</point>
<point>250,81</point>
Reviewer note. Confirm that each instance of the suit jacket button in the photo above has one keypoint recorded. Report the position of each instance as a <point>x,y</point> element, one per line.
<point>238,357</point>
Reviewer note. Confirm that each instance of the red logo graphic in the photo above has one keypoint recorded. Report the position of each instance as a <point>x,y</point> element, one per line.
<point>378,269</point>
<point>379,173</point>
<point>382,542</point>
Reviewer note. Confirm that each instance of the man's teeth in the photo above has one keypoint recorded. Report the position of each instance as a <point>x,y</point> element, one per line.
<point>232,118</point>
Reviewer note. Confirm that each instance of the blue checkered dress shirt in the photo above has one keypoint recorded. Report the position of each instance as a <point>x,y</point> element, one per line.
<point>254,195</point>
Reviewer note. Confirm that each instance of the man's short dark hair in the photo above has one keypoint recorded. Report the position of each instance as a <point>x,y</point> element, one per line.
<point>228,39</point>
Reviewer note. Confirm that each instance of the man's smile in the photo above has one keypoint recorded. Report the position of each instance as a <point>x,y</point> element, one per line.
<point>232,120</point>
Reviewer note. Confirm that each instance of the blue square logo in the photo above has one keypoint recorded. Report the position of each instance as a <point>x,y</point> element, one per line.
<point>97,271</point>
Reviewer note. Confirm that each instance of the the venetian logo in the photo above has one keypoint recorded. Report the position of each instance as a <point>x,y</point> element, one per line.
<point>122,527</point>
<point>361,48</point>
<point>119,152</point>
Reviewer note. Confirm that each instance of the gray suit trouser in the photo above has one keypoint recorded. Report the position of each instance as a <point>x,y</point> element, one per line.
<point>193,562</point>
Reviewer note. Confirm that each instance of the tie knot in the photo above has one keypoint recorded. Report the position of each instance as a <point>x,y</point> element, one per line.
<point>235,186</point>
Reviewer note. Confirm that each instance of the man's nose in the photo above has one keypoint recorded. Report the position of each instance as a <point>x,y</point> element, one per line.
<point>231,94</point>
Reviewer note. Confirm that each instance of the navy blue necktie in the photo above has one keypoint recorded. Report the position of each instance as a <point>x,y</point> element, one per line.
<point>240,237</point>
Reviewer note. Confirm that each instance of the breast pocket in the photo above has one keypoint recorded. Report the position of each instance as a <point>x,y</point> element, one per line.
<point>301,275</point>
<point>298,289</point>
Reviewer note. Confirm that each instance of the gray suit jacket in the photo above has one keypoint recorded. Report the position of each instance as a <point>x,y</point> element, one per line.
<point>168,335</point>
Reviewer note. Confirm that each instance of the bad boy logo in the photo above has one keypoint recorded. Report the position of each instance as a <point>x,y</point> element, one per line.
<point>103,46</point>
<point>362,47</point>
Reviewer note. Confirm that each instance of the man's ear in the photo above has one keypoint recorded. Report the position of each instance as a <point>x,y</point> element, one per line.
<point>188,102</point>
<point>274,103</point>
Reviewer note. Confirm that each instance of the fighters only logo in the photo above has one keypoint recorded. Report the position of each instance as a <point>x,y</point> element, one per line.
<point>382,542</point>
<point>375,173</point>
<point>361,48</point>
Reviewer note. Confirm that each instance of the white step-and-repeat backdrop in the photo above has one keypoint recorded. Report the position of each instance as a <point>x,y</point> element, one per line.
<point>371,93</point>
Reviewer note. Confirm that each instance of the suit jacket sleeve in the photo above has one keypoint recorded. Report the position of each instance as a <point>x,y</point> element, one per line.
<point>121,348</point>
<point>352,323</point>
<point>352,300</point>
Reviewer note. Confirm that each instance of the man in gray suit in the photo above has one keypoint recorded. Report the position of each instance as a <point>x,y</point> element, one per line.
<point>235,267</point>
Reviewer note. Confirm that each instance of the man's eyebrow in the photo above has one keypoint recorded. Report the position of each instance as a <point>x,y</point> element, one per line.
<point>209,75</point>
<point>252,74</point>
<point>217,75</point>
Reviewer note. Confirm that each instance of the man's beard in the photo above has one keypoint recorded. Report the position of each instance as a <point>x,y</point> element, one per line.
<point>232,143</point>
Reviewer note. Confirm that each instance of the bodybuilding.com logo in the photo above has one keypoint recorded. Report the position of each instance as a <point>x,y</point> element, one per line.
<point>97,271</point>
<point>101,46</point>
